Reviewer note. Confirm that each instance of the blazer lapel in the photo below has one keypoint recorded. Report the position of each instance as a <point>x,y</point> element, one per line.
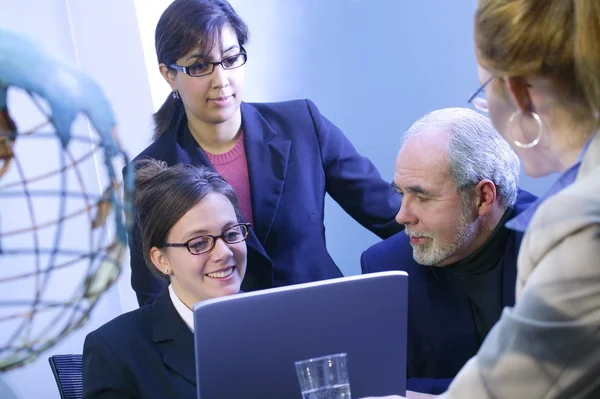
<point>591,158</point>
<point>190,150</point>
<point>174,338</point>
<point>511,252</point>
<point>267,156</point>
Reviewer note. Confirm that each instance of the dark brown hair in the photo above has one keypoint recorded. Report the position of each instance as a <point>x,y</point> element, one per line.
<point>163,194</point>
<point>184,26</point>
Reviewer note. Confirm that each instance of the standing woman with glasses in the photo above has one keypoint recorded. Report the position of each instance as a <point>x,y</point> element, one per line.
<point>539,64</point>
<point>281,158</point>
<point>189,221</point>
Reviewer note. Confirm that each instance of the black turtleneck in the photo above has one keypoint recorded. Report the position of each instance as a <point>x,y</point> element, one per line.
<point>481,277</point>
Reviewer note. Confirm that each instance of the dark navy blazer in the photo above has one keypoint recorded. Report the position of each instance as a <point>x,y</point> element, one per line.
<point>442,334</point>
<point>295,156</point>
<point>146,353</point>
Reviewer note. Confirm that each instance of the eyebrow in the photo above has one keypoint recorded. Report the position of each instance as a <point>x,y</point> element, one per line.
<point>203,232</point>
<point>194,233</point>
<point>418,190</point>
<point>413,189</point>
<point>201,56</point>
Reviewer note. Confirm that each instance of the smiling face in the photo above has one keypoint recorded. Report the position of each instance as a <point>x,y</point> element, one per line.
<point>216,273</point>
<point>439,223</point>
<point>214,98</point>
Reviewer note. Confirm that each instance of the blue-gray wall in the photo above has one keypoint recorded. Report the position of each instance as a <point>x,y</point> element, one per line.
<point>372,67</point>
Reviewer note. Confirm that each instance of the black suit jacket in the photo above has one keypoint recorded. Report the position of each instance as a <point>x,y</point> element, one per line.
<point>442,334</point>
<point>295,156</point>
<point>147,353</point>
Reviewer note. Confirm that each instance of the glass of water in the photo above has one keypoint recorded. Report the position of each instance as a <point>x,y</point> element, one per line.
<point>324,377</point>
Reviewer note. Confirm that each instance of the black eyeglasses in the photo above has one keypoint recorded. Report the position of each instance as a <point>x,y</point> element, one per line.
<point>207,67</point>
<point>203,244</point>
<point>477,100</point>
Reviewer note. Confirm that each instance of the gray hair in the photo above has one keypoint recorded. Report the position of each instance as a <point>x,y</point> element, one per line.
<point>476,151</point>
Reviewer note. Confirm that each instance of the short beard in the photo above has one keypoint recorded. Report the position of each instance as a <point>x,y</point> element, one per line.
<point>431,254</point>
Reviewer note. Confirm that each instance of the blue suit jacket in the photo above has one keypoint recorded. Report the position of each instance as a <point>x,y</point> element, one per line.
<point>146,353</point>
<point>295,156</point>
<point>442,334</point>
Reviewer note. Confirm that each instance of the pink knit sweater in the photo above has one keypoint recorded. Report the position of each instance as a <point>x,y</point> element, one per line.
<point>234,169</point>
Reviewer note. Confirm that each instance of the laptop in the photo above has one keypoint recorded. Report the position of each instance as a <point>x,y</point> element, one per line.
<point>246,344</point>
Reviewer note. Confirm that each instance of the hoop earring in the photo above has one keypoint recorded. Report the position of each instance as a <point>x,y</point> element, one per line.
<point>535,141</point>
<point>175,95</point>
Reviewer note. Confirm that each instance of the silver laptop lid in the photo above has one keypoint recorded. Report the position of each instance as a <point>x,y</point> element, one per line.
<point>246,344</point>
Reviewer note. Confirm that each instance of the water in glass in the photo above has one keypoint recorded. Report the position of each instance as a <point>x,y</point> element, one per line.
<point>340,391</point>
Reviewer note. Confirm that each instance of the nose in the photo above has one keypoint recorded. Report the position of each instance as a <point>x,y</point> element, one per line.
<point>221,251</point>
<point>219,77</point>
<point>405,215</point>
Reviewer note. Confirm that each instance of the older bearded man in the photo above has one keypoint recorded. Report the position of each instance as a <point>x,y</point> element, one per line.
<point>458,178</point>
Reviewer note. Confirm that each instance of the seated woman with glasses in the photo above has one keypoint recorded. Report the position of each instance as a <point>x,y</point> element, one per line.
<point>281,158</point>
<point>193,240</point>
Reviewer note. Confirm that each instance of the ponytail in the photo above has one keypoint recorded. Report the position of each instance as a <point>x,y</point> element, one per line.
<point>147,171</point>
<point>587,51</point>
<point>168,116</point>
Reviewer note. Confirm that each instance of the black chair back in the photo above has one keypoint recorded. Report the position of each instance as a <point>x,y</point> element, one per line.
<point>67,370</point>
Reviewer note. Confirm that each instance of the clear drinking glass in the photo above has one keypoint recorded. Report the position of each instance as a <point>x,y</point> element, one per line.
<point>324,377</point>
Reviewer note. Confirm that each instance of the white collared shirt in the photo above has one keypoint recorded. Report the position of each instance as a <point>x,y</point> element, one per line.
<point>186,313</point>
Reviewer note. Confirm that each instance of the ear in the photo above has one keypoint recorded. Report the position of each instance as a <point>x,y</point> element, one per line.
<point>160,261</point>
<point>519,92</point>
<point>169,76</point>
<point>486,197</point>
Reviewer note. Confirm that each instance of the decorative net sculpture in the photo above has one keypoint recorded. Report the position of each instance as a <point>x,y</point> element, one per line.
<point>62,206</point>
